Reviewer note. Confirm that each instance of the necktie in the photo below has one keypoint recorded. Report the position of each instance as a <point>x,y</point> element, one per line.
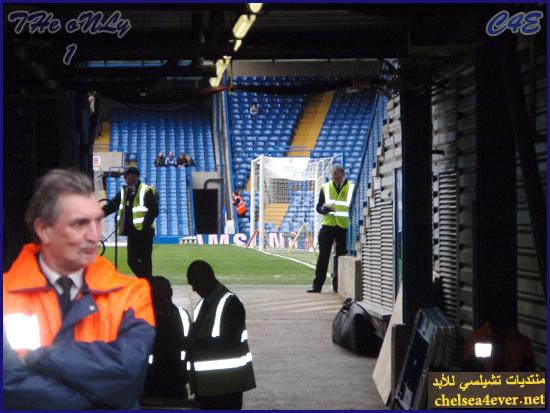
<point>65,298</point>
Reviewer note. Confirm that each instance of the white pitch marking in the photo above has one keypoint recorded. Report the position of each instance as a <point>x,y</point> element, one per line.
<point>324,307</point>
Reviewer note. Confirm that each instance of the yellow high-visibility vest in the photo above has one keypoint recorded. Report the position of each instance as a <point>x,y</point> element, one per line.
<point>340,201</point>
<point>139,210</point>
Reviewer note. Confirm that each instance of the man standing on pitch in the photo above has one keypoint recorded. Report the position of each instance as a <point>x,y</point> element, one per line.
<point>334,201</point>
<point>137,209</point>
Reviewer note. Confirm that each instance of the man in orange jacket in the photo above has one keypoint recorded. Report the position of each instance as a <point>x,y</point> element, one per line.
<point>77,334</point>
<point>239,204</point>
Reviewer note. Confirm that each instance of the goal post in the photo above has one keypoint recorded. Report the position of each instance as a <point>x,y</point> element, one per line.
<point>303,236</point>
<point>283,196</point>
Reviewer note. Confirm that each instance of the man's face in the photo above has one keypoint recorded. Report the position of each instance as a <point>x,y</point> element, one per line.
<point>338,178</point>
<point>198,286</point>
<point>131,179</point>
<point>70,243</point>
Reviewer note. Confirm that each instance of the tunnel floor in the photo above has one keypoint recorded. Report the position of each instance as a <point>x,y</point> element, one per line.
<point>297,366</point>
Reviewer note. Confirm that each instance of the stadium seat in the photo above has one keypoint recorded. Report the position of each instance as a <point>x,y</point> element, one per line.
<point>146,133</point>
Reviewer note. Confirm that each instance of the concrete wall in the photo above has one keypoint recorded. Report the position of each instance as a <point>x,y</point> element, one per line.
<point>346,67</point>
<point>199,179</point>
<point>349,277</point>
<point>106,160</point>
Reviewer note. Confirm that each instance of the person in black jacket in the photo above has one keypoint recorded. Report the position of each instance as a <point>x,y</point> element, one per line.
<point>220,360</point>
<point>189,160</point>
<point>161,160</point>
<point>166,374</point>
<point>185,160</point>
<point>136,221</point>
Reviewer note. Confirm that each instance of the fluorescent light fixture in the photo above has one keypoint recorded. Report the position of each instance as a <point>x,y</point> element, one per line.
<point>215,81</point>
<point>483,350</point>
<point>254,7</point>
<point>221,65</point>
<point>243,25</point>
<point>238,44</point>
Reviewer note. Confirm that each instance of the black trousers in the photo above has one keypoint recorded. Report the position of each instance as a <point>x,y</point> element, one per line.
<point>233,401</point>
<point>328,236</point>
<point>140,249</point>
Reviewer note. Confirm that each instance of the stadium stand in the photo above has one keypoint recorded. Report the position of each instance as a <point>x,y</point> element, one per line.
<point>345,130</point>
<point>365,171</point>
<point>141,134</point>
<point>269,131</point>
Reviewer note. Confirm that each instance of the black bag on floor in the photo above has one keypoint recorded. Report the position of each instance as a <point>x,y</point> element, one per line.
<point>353,329</point>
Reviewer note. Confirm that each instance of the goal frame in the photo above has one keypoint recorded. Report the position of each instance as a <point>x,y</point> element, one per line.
<point>257,182</point>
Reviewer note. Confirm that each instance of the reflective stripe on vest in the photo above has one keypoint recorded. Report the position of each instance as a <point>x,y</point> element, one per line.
<point>219,310</point>
<point>197,310</point>
<point>223,364</point>
<point>184,321</point>
<point>182,357</point>
<point>341,202</point>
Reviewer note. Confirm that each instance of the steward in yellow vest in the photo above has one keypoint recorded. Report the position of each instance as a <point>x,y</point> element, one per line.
<point>334,202</point>
<point>220,361</point>
<point>137,209</point>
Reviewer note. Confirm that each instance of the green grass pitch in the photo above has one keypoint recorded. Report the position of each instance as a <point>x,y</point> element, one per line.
<point>231,264</point>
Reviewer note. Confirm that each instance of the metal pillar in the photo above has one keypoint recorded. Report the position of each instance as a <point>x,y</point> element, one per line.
<point>523,134</point>
<point>416,126</point>
<point>495,244</point>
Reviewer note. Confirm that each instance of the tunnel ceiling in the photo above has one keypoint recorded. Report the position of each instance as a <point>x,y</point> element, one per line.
<point>199,33</point>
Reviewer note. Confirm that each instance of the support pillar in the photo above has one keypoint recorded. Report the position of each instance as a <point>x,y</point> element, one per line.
<point>495,244</point>
<point>416,126</point>
<point>523,134</point>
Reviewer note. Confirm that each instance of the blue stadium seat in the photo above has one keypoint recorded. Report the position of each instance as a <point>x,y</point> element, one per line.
<point>146,133</point>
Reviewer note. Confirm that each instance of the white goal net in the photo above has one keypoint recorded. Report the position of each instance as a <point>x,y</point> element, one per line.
<point>283,196</point>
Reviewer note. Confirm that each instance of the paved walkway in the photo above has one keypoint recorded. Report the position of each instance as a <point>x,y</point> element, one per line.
<point>297,366</point>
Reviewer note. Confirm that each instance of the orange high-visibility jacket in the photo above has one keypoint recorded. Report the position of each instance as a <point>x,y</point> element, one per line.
<point>241,207</point>
<point>95,357</point>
